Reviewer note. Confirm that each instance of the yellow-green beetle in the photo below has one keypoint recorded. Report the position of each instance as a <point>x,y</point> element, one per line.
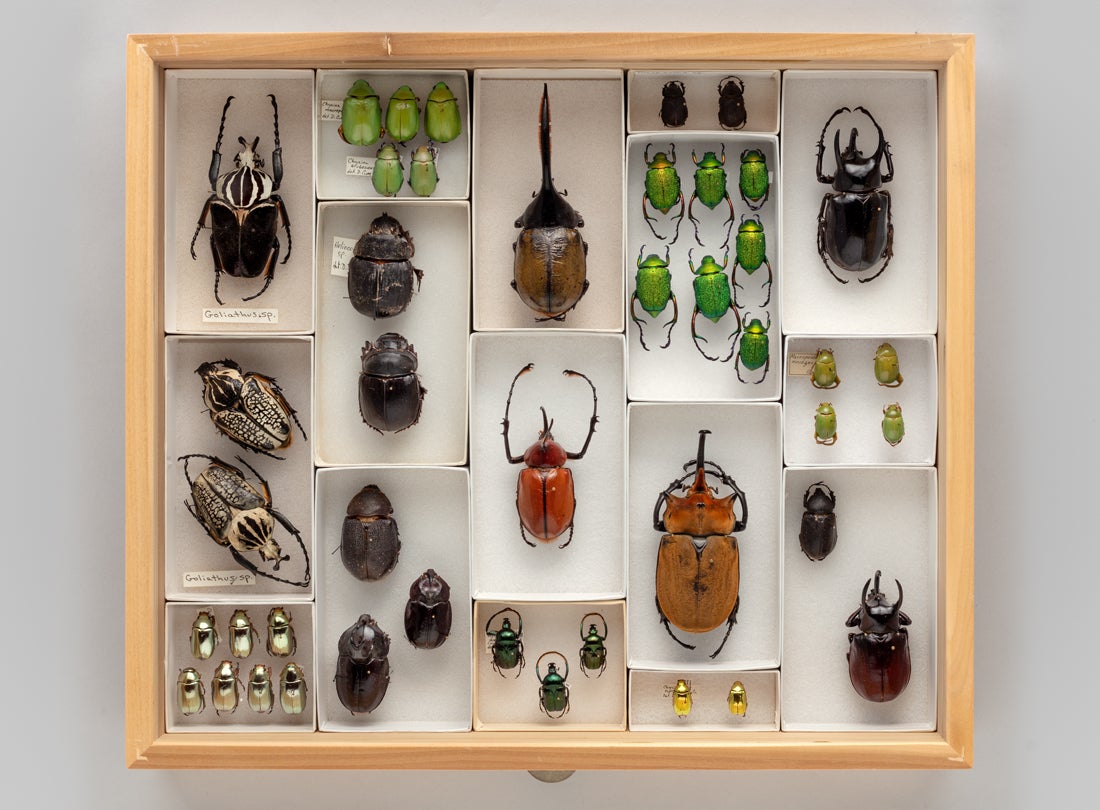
<point>738,699</point>
<point>204,635</point>
<point>824,373</point>
<point>241,634</point>
<point>887,369</point>
<point>893,426</point>
<point>442,122</point>
<point>292,689</point>
<point>681,698</point>
<point>225,687</point>
<point>280,633</point>
<point>361,115</point>
<point>260,695</point>
<point>403,115</point>
<point>190,693</point>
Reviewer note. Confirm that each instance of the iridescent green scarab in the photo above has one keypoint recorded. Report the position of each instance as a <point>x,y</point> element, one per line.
<point>712,299</point>
<point>893,426</point>
<point>662,188</point>
<point>751,252</point>
<point>754,185</point>
<point>361,115</point>
<point>753,352</point>
<point>710,188</point>
<point>653,290</point>
<point>403,115</point>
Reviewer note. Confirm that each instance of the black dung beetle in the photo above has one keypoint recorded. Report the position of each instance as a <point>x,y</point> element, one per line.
<point>878,654</point>
<point>380,275</point>
<point>428,611</point>
<point>855,228</point>
<point>362,666</point>
<point>245,211</point>
<point>369,542</point>
<point>390,393</point>
<point>674,108</point>
<point>731,103</point>
<point>818,535</point>
<point>247,407</point>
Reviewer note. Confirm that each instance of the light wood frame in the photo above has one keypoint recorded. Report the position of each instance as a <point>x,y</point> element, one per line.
<point>147,743</point>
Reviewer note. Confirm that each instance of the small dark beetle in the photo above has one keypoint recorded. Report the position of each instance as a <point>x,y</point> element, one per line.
<point>878,654</point>
<point>674,108</point>
<point>544,492</point>
<point>380,275</point>
<point>247,407</point>
<point>245,211</point>
<point>554,691</point>
<point>428,611</point>
<point>390,393</point>
<point>506,644</point>
<point>731,103</point>
<point>818,534</point>
<point>593,651</point>
<point>362,666</point>
<point>369,542</point>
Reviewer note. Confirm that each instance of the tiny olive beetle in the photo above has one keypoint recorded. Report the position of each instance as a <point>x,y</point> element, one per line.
<point>544,492</point>
<point>248,408</point>
<point>818,534</point>
<point>292,689</point>
<point>261,696</point>
<point>190,693</point>
<point>823,374</point>
<point>553,690</point>
<point>281,640</point>
<point>825,424</point>
<point>362,666</point>
<point>389,172</point>
<point>662,188</point>
<point>674,108</point>
<point>390,394</point>
<point>710,189</point>
<point>242,634</point>
<point>731,103</point>
<point>239,516</point>
<point>361,115</point>
<point>878,653</point>
<point>380,274</point>
<point>204,635</point>
<point>369,542</point>
<point>506,644</point>
<point>403,115</point>
<point>887,369</point>
<point>442,120</point>
<point>428,611</point>
<point>593,652</point>
<point>893,425</point>
<point>738,699</point>
<point>653,289</point>
<point>245,212</point>
<point>681,697</point>
<point>225,688</point>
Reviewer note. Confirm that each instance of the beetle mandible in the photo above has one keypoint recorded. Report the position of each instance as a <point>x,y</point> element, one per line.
<point>731,103</point>
<point>879,663</point>
<point>553,689</point>
<point>506,643</point>
<point>428,612</point>
<point>817,537</point>
<point>593,651</point>
<point>653,289</point>
<point>248,408</point>
<point>362,666</point>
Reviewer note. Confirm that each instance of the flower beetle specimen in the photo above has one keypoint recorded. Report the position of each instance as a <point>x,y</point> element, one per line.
<point>887,369</point>
<point>239,516</point>
<point>369,542</point>
<point>380,274</point>
<point>653,289</point>
<point>423,175</point>
<point>204,635</point>
<point>225,688</point>
<point>362,666</point>
<point>550,256</point>
<point>893,425</point>
<point>712,299</point>
<point>698,567</point>
<point>855,228</point>
<point>248,408</point>
<point>403,115</point>
<point>389,172</point>
<point>751,253</point>
<point>753,350</point>
<point>292,689</point>
<point>190,693</point>
<point>823,374</point>
<point>545,499</point>
<point>593,652</point>
<point>879,664</point>
<point>361,115</point>
<point>428,611</point>
<point>710,188</point>
<point>681,697</point>
<point>753,181</point>
<point>390,393</point>
<point>281,640</point>
<point>242,634</point>
<point>674,108</point>
<point>731,103</point>
<point>738,699</point>
<point>506,644</point>
<point>245,212</point>
<point>662,188</point>
<point>553,689</point>
<point>825,424</point>
<point>261,695</point>
<point>817,537</point>
<point>442,121</point>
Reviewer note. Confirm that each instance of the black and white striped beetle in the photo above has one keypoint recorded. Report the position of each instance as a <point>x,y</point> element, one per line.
<point>239,516</point>
<point>247,407</point>
<point>245,211</point>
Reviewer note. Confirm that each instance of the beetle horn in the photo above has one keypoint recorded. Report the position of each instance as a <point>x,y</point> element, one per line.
<point>863,598</point>
<point>699,459</point>
<point>544,138</point>
<point>897,605</point>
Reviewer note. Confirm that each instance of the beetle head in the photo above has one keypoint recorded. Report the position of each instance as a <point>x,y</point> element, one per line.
<point>879,614</point>
<point>247,157</point>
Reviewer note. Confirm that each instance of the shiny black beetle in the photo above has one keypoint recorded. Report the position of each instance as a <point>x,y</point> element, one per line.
<point>878,653</point>
<point>854,226</point>
<point>247,407</point>
<point>731,103</point>
<point>818,534</point>
<point>674,108</point>
<point>369,542</point>
<point>428,611</point>
<point>380,274</point>
<point>362,666</point>
<point>390,393</point>
<point>245,212</point>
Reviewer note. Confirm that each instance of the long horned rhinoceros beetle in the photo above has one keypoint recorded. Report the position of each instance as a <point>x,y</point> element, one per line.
<point>698,567</point>
<point>544,492</point>
<point>380,274</point>
<point>239,516</point>
<point>817,537</point>
<point>369,542</point>
<point>428,612</point>
<point>362,666</point>
<point>550,256</point>
<point>248,408</point>
<point>878,653</point>
<point>390,393</point>
<point>245,212</point>
<point>506,643</point>
<point>553,690</point>
<point>855,228</point>
<point>674,108</point>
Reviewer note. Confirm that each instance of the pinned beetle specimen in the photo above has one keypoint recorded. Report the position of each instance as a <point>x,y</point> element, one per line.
<point>204,635</point>
<point>823,374</point>
<point>553,691</point>
<point>550,255</point>
<point>281,640</point>
<point>442,122</point>
<point>248,408</point>
<point>362,666</point>
<point>893,425</point>
<point>710,188</point>
<point>817,536</point>
<point>403,115</point>
<point>662,188</point>
<point>681,698</point>
<point>389,172</point>
<point>753,351</point>
<point>738,699</point>
<point>674,108</point>
<point>855,229</point>
<point>593,651</point>
<point>423,175</point>
<point>380,274</point>
<point>825,424</point>
<point>245,211</point>
<point>190,693</point>
<point>390,393</point>
<point>653,289</point>
<point>713,300</point>
<point>754,182</point>
<point>878,653</point>
<point>239,516</point>
<point>751,254</point>
<point>292,689</point>
<point>731,103</point>
<point>241,634</point>
<point>544,492</point>
<point>261,695</point>
<point>887,369</point>
<point>506,647</point>
<point>698,567</point>
<point>428,611</point>
<point>361,115</point>
<point>369,542</point>
<point>225,687</point>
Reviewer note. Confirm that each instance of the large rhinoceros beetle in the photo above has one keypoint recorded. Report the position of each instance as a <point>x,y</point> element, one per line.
<point>362,666</point>
<point>878,653</point>
<point>390,393</point>
<point>245,212</point>
<point>380,274</point>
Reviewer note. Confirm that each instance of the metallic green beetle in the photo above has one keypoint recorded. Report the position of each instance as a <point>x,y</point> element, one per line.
<point>506,645</point>
<point>593,652</point>
<point>389,173</point>
<point>825,424</point>
<point>824,373</point>
<point>554,691</point>
<point>361,117</point>
<point>662,188</point>
<point>755,188</point>
<point>653,288</point>
<point>423,176</point>
<point>893,426</point>
<point>713,299</point>
<point>887,369</point>
<point>754,349</point>
<point>750,254</point>
<point>403,115</point>
<point>442,122</point>
<point>710,188</point>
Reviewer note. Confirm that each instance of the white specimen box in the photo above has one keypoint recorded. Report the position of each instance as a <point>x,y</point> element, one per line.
<point>701,93</point>
<point>651,694</point>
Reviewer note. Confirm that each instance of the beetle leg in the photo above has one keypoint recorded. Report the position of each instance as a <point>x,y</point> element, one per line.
<point>821,147</point>
<point>679,219</point>
<point>202,222</point>
<point>570,540</point>
<point>768,283</point>
<point>277,152</point>
<point>591,424</point>
<point>280,209</point>
<point>697,337</point>
<point>522,532</point>
<point>672,323</point>
<point>729,627</point>
<point>648,219</point>
<point>507,406</point>
<point>729,230</point>
<point>694,221</point>
<point>733,335</point>
<point>668,627</point>
<point>634,317</point>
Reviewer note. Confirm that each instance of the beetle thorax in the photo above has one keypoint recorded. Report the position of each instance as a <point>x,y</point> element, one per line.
<point>248,184</point>
<point>545,453</point>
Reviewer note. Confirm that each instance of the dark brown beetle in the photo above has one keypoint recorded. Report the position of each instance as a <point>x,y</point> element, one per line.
<point>674,108</point>
<point>362,666</point>
<point>818,534</point>
<point>428,611</point>
<point>878,655</point>
<point>380,274</point>
<point>369,542</point>
<point>390,393</point>
<point>731,103</point>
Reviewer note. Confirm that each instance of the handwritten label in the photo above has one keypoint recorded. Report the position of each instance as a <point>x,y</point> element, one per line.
<point>331,110</point>
<point>218,579</point>
<point>343,249</point>
<point>801,363</point>
<point>239,315</point>
<point>357,166</point>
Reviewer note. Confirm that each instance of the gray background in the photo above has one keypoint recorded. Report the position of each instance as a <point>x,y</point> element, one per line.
<point>1036,442</point>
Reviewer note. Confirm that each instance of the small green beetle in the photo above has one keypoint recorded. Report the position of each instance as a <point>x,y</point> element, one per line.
<point>662,188</point>
<point>423,176</point>
<point>751,253</point>
<point>755,188</point>
<point>825,424</point>
<point>712,299</point>
<point>403,115</point>
<point>442,122</point>
<point>887,369</point>
<point>824,373</point>
<point>754,349</point>
<point>710,188</point>
<point>506,645</point>
<point>361,117</point>
<point>389,174</point>
<point>893,426</point>
<point>653,288</point>
<point>593,651</point>
<point>554,691</point>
